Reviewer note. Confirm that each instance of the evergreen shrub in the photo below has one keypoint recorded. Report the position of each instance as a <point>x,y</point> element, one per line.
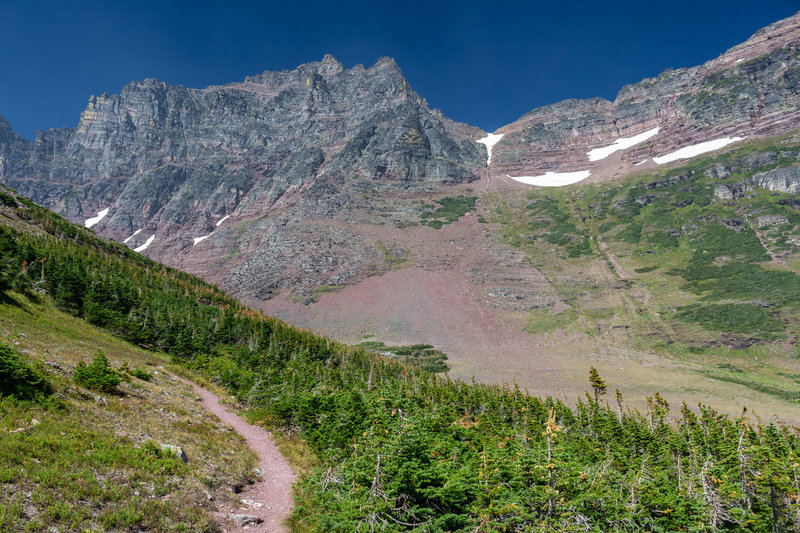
<point>98,375</point>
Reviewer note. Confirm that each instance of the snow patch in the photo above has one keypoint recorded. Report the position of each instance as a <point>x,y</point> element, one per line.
<point>223,219</point>
<point>94,220</point>
<point>201,239</point>
<point>489,141</point>
<point>622,143</point>
<point>740,60</point>
<point>135,233</point>
<point>642,162</point>
<point>146,244</point>
<point>553,179</point>
<point>696,149</point>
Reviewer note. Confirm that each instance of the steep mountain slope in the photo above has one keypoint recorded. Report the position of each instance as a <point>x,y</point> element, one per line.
<point>397,449</point>
<point>753,89</point>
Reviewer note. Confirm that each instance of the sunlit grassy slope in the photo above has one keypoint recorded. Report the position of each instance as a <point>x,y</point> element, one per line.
<point>695,264</point>
<point>89,461</point>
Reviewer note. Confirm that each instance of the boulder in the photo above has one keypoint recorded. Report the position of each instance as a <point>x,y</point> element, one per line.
<point>244,520</point>
<point>175,450</point>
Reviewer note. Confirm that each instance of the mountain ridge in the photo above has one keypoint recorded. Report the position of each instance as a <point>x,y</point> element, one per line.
<point>750,89</point>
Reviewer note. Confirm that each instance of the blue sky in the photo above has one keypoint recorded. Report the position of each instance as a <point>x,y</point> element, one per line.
<point>480,63</point>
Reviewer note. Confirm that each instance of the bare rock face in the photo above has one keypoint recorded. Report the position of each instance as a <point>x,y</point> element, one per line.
<point>176,166</point>
<point>786,180</point>
<point>752,89</point>
<point>15,151</point>
<point>782,179</point>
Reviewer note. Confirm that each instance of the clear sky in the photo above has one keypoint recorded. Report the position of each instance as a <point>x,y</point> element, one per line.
<point>484,63</point>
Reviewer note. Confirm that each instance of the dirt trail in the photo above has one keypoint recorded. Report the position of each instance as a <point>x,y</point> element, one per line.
<point>774,257</point>
<point>270,499</point>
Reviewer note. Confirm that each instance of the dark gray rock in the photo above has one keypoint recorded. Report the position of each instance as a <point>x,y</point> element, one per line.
<point>157,153</point>
<point>668,182</point>
<point>760,159</point>
<point>15,151</point>
<point>719,171</point>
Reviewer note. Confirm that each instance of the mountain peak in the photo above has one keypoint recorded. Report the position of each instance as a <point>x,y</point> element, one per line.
<point>386,63</point>
<point>329,66</point>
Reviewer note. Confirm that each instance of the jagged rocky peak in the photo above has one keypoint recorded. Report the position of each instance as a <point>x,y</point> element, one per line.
<point>329,66</point>
<point>15,150</point>
<point>753,89</point>
<point>163,167</point>
<point>9,137</point>
<point>320,75</point>
<point>6,130</point>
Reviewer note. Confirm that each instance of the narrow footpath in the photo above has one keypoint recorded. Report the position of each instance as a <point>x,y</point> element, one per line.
<point>270,499</point>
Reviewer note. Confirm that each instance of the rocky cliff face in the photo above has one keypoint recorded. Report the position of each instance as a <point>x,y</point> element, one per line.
<point>752,89</point>
<point>781,180</point>
<point>15,152</point>
<point>173,166</point>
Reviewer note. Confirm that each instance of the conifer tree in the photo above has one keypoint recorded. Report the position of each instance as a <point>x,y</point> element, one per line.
<point>598,384</point>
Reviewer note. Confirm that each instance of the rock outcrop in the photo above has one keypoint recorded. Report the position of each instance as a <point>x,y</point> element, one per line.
<point>786,180</point>
<point>782,179</point>
<point>15,152</point>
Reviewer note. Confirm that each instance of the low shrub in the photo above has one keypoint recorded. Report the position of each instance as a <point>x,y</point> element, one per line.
<point>98,375</point>
<point>18,379</point>
<point>141,374</point>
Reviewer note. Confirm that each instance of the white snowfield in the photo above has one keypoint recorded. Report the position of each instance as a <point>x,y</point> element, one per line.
<point>201,239</point>
<point>696,149</point>
<point>553,179</point>
<point>146,244</point>
<point>223,219</point>
<point>623,143</point>
<point>94,220</point>
<point>135,233</point>
<point>489,141</point>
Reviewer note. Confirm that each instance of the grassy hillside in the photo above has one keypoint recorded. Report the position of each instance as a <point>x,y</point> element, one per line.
<point>398,448</point>
<point>697,262</point>
<point>81,460</point>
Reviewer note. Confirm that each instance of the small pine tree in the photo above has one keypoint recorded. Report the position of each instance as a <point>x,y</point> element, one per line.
<point>98,375</point>
<point>18,378</point>
<point>598,384</point>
